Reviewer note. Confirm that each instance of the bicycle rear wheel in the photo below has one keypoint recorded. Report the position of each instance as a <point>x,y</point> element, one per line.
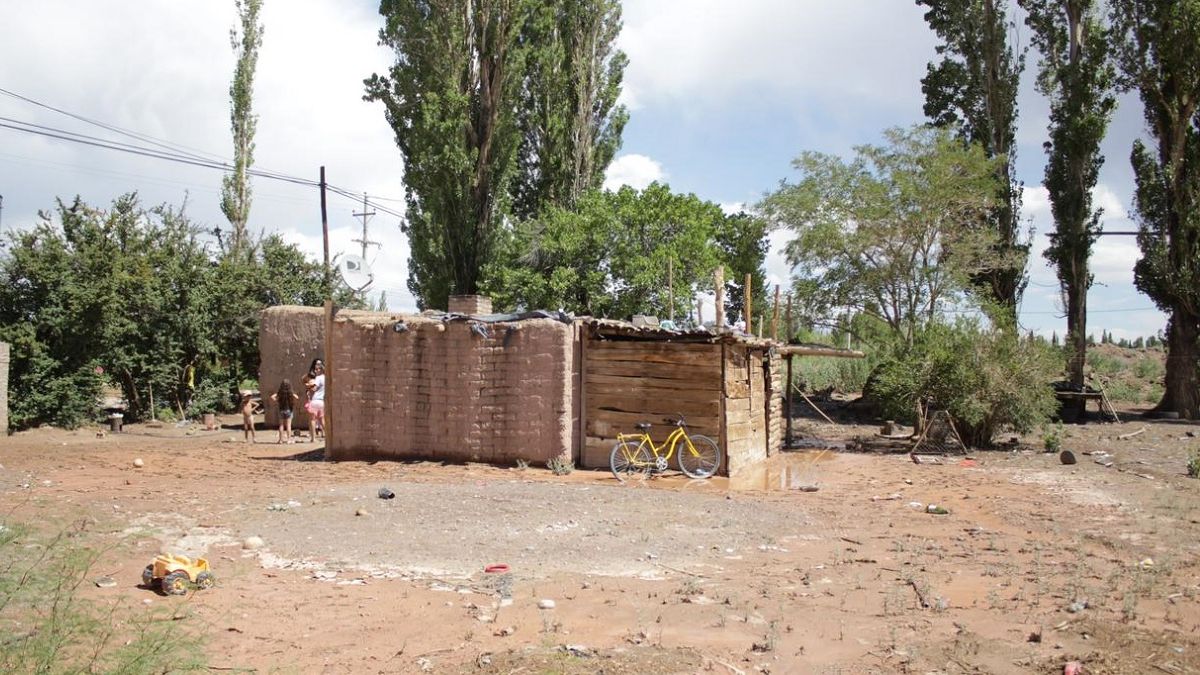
<point>630,459</point>
<point>700,456</point>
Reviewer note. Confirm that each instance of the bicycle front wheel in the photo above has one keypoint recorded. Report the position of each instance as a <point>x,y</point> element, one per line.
<point>700,456</point>
<point>630,459</point>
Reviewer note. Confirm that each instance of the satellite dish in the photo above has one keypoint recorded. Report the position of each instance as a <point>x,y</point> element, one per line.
<point>355,272</point>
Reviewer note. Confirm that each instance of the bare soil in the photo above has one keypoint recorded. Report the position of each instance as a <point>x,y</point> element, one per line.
<point>1036,564</point>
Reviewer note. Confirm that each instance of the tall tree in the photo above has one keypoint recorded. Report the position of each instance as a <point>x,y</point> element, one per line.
<point>451,98</point>
<point>1077,75</point>
<point>235,187</point>
<point>1159,56</point>
<point>974,88</point>
<point>569,118</point>
<point>892,233</point>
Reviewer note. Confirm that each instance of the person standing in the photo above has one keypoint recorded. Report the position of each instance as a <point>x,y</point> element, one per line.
<point>316,399</point>
<point>286,399</point>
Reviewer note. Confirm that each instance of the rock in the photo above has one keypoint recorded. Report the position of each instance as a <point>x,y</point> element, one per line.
<point>1077,606</point>
<point>360,512</point>
<point>1148,562</point>
<point>1066,457</point>
<point>138,463</point>
<point>504,632</point>
<point>545,603</point>
<point>385,493</point>
<point>104,582</point>
<point>252,543</point>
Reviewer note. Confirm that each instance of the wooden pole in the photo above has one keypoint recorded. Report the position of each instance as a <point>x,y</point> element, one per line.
<point>329,365</point>
<point>775,316</point>
<point>762,320</point>
<point>325,239</point>
<point>787,443</point>
<point>790,331</point>
<point>670,290</point>
<point>719,288</point>
<point>747,293</point>
<point>699,313</point>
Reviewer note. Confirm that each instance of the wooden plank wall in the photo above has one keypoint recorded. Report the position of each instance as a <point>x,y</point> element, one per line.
<point>626,382</point>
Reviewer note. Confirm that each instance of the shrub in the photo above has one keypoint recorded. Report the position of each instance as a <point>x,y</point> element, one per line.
<point>1052,437</point>
<point>46,626</point>
<point>1149,369</point>
<point>986,379</point>
<point>1193,465</point>
<point>1105,364</point>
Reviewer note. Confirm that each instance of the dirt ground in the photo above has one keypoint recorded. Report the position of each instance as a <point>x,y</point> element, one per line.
<point>1036,563</point>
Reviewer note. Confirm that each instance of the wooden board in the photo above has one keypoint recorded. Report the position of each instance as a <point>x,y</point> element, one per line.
<point>658,370</point>
<point>594,380</point>
<point>643,388</point>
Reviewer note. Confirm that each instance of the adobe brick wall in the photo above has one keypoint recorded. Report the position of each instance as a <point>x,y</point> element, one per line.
<point>289,338</point>
<point>440,390</point>
<point>472,305</point>
<point>4,356</point>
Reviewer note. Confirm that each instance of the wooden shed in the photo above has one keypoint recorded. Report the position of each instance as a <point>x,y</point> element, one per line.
<point>729,387</point>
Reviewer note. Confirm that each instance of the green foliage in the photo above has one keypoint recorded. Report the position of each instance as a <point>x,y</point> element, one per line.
<point>987,379</point>
<point>48,626</point>
<point>1105,364</point>
<point>609,256</point>
<point>1052,437</point>
<point>1159,56</point>
<point>1193,463</point>
<point>891,233</point>
<point>451,97</point>
<point>568,115</point>
<point>742,239</point>
<point>235,187</point>
<point>1148,369</point>
<point>974,89</point>
<point>133,298</point>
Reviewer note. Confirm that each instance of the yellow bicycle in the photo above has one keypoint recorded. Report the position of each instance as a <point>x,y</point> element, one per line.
<point>637,455</point>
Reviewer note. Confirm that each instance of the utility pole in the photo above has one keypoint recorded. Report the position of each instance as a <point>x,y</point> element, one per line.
<point>325,237</point>
<point>365,215</point>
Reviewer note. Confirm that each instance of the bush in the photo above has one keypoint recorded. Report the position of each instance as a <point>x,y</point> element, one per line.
<point>1149,369</point>
<point>46,626</point>
<point>987,379</point>
<point>1105,364</point>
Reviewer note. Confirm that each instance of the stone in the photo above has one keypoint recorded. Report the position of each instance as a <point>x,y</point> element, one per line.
<point>252,543</point>
<point>104,582</point>
<point>360,512</point>
<point>138,463</point>
<point>545,603</point>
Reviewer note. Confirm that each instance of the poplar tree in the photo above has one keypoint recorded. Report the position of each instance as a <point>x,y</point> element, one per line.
<point>1077,75</point>
<point>568,116</point>
<point>451,98</point>
<point>235,187</point>
<point>1159,58</point>
<point>973,88</point>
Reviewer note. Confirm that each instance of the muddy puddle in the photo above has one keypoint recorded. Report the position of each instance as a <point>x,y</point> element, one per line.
<point>787,471</point>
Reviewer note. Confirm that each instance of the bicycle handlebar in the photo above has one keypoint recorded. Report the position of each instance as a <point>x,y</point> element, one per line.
<point>678,421</point>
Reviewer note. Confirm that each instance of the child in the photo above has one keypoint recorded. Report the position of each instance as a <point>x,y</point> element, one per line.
<point>248,407</point>
<point>286,399</point>
<point>316,399</point>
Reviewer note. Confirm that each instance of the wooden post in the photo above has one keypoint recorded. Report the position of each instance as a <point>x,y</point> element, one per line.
<point>719,287</point>
<point>329,365</point>
<point>788,400</point>
<point>775,316</point>
<point>153,412</point>
<point>747,293</point>
<point>670,290</point>
<point>762,319</point>
<point>699,313</point>
<point>790,331</point>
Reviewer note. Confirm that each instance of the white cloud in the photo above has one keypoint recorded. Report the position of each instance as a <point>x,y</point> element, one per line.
<point>636,171</point>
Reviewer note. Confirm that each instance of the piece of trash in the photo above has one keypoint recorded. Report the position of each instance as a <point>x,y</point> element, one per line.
<point>936,510</point>
<point>1073,668</point>
<point>504,632</point>
<point>1066,457</point>
<point>577,650</point>
<point>1148,562</point>
<point>915,505</point>
<point>968,463</point>
<point>105,582</point>
<point>808,488</point>
<point>252,543</point>
<point>385,493</point>
<point>138,463</point>
<point>1077,606</point>
<point>545,603</point>
<point>360,512</point>
<point>1104,462</point>
<point>894,495</point>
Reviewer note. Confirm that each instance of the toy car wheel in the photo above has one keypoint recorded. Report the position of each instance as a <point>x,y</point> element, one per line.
<point>176,583</point>
<point>205,580</point>
<point>148,576</point>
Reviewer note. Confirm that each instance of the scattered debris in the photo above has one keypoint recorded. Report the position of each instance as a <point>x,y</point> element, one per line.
<point>105,582</point>
<point>360,512</point>
<point>504,632</point>
<point>936,510</point>
<point>577,650</point>
<point>1073,668</point>
<point>385,493</point>
<point>1077,606</point>
<point>1125,437</point>
<point>545,603</point>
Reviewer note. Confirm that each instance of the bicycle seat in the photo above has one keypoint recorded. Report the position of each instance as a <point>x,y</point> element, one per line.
<point>642,426</point>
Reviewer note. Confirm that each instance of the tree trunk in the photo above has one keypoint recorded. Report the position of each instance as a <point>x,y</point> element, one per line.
<point>1075,409</point>
<point>1182,385</point>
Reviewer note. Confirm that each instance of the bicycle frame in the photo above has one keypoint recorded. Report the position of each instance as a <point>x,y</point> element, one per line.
<point>668,445</point>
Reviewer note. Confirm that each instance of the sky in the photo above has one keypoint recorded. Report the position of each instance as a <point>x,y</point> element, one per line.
<point>722,97</point>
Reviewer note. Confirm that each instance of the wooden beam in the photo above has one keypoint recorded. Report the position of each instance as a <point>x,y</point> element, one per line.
<point>775,316</point>
<point>747,293</point>
<point>719,290</point>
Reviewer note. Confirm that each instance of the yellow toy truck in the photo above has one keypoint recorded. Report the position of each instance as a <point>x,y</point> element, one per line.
<point>175,574</point>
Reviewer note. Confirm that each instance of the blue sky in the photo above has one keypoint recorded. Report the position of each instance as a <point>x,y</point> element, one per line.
<point>722,97</point>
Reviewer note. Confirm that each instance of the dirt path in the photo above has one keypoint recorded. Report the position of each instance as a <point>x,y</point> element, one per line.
<point>1097,560</point>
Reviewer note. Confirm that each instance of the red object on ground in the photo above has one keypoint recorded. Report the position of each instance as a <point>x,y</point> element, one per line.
<point>498,568</point>
<point>967,463</point>
<point>1073,668</point>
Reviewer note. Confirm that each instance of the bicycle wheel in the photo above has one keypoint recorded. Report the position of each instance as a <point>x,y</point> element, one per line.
<point>699,456</point>
<point>630,459</point>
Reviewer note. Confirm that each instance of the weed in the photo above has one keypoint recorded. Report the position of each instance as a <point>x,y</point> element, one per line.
<point>1052,437</point>
<point>561,465</point>
<point>1193,463</point>
<point>522,464</point>
<point>49,627</point>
